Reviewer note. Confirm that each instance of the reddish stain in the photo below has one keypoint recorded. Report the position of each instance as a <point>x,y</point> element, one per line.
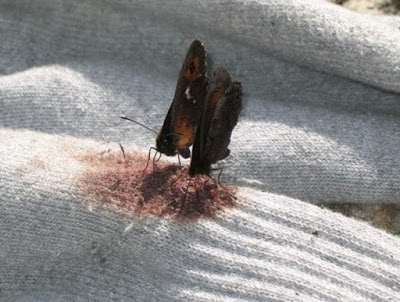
<point>213,193</point>
<point>160,190</point>
<point>34,165</point>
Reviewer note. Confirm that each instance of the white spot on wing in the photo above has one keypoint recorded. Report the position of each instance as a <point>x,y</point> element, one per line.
<point>187,93</point>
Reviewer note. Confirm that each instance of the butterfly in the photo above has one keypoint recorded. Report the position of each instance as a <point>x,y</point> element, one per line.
<point>180,125</point>
<point>220,112</point>
<point>203,113</point>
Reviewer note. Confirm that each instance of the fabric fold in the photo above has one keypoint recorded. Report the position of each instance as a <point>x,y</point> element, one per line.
<point>59,244</point>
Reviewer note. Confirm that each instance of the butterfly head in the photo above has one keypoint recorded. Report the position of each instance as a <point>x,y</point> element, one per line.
<point>164,145</point>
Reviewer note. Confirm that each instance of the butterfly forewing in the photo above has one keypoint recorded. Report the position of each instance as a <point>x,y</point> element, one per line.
<point>180,125</point>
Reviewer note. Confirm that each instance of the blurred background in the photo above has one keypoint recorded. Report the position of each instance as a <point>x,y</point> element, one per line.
<point>383,216</point>
<point>375,7</point>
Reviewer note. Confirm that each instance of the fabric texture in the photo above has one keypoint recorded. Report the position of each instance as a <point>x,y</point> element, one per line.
<point>320,124</point>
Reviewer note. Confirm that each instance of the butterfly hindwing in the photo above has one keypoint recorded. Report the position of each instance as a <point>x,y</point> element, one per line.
<point>222,105</point>
<point>180,125</point>
<point>224,120</point>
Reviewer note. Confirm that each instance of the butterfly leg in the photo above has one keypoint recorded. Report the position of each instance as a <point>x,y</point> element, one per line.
<point>158,157</point>
<point>122,150</point>
<point>218,178</point>
<point>156,160</point>
<point>185,197</point>
<point>148,158</point>
<point>197,190</point>
<point>174,181</point>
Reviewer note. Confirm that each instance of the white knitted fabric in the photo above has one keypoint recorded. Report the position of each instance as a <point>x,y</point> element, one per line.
<point>320,123</point>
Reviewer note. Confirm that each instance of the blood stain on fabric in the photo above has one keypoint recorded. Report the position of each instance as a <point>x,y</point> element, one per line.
<point>163,190</point>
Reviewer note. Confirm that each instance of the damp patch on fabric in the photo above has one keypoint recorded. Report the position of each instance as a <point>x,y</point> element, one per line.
<point>119,182</point>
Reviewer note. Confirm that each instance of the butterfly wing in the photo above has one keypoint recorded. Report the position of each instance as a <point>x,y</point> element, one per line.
<point>224,120</point>
<point>180,125</point>
<point>222,106</point>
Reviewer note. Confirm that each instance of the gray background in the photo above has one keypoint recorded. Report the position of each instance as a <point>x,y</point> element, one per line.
<point>320,124</point>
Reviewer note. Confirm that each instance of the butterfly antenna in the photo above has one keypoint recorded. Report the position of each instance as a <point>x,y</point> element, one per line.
<point>140,124</point>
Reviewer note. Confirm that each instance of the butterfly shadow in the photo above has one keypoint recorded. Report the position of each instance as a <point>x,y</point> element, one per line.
<point>170,191</point>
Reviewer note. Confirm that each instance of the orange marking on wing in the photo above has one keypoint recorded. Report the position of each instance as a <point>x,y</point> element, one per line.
<point>194,72</point>
<point>216,97</point>
<point>185,133</point>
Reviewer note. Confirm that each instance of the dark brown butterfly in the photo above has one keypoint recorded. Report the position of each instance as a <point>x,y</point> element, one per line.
<point>180,126</point>
<point>203,112</point>
<point>221,108</point>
